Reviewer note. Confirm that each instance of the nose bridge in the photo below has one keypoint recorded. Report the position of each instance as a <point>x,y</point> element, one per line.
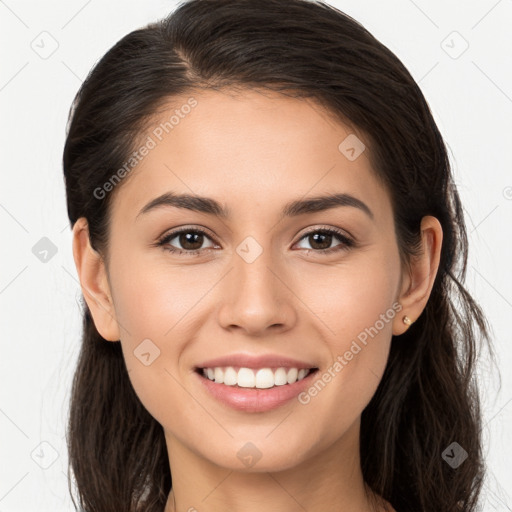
<point>252,267</point>
<point>254,280</point>
<point>257,299</point>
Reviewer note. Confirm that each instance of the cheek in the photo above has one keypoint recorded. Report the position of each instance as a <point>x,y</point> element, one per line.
<point>356,306</point>
<point>154,300</point>
<point>156,305</point>
<point>352,298</point>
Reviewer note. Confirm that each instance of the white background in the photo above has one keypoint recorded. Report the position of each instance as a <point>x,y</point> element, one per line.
<point>471,100</point>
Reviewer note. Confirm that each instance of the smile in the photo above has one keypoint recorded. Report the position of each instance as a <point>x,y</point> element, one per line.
<point>257,390</point>
<point>262,378</point>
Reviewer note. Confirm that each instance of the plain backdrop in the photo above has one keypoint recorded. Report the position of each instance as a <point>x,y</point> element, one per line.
<point>460,53</point>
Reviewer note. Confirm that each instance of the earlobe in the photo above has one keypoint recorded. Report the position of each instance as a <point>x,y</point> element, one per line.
<point>94,283</point>
<point>421,275</point>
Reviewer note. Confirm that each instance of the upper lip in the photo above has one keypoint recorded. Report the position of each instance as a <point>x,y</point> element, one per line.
<point>254,361</point>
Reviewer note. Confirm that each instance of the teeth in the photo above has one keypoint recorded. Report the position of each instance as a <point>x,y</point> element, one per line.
<point>248,378</point>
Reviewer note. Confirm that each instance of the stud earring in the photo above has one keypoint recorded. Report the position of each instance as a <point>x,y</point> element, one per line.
<point>407,320</point>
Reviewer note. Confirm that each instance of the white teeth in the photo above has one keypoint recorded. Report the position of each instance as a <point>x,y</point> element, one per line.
<point>291,377</point>
<point>280,377</point>
<point>230,377</point>
<point>219,375</point>
<point>264,378</point>
<point>248,378</point>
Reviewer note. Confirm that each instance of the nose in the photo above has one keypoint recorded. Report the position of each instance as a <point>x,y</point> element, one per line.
<point>256,297</point>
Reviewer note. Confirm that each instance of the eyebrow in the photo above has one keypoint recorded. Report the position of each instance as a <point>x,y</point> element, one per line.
<point>292,209</point>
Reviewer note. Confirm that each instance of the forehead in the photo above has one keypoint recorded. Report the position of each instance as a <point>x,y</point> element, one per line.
<point>249,149</point>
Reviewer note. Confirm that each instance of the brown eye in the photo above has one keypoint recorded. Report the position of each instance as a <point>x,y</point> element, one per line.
<point>190,240</point>
<point>321,240</point>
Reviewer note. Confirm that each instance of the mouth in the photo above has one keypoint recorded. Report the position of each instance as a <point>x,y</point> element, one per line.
<point>256,378</point>
<point>255,390</point>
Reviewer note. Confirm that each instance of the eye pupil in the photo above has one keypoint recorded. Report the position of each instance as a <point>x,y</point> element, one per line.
<point>323,245</point>
<point>187,239</point>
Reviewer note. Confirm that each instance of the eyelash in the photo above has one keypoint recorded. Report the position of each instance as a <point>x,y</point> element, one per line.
<point>346,244</point>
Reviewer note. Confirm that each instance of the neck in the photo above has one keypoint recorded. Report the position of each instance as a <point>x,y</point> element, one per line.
<point>331,479</point>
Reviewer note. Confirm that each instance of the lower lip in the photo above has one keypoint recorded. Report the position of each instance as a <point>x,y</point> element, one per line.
<point>254,399</point>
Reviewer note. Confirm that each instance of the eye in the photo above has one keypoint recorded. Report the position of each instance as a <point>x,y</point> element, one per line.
<point>323,238</point>
<point>190,239</point>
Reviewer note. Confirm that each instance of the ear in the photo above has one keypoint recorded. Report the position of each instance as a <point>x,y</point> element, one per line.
<point>94,283</point>
<point>420,276</point>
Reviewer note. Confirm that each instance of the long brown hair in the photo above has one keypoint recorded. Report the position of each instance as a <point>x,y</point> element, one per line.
<point>427,398</point>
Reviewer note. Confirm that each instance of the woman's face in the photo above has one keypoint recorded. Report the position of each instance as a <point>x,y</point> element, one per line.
<point>265,279</point>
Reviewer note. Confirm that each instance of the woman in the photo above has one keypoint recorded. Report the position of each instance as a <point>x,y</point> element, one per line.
<point>272,253</point>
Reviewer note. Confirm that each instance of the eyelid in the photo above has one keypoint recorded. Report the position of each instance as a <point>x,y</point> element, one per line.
<point>193,227</point>
<point>319,227</point>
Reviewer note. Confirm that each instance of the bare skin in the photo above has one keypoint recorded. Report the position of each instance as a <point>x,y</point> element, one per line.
<point>254,154</point>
